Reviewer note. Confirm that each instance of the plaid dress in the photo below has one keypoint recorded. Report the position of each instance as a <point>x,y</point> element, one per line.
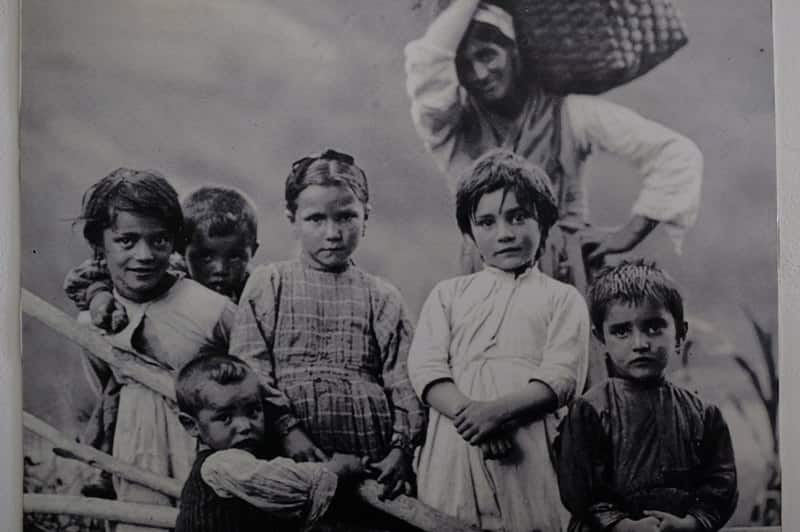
<point>333,347</point>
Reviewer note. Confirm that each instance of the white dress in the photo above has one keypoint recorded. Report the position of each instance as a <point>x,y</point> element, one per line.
<point>170,331</point>
<point>492,334</point>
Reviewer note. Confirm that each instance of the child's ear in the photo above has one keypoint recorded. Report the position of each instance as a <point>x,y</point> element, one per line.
<point>190,424</point>
<point>681,333</point>
<point>289,215</point>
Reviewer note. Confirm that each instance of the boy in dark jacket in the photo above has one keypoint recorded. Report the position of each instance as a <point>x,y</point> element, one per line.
<point>638,453</point>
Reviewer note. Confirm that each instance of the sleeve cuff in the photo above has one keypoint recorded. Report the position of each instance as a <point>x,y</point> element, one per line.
<point>562,387</point>
<point>603,516</point>
<point>703,519</point>
<point>403,442</point>
<point>321,496</point>
<point>422,387</point>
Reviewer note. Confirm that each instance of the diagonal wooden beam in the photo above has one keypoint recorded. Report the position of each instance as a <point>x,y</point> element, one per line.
<point>126,363</point>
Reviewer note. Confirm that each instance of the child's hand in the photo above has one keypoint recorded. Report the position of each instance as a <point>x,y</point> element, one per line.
<point>300,448</point>
<point>394,472</point>
<point>107,313</point>
<point>476,420</point>
<point>672,523</point>
<point>84,280</point>
<point>347,466</point>
<point>496,447</point>
<point>648,524</point>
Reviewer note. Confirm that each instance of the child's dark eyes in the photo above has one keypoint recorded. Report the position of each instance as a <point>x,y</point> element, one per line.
<point>518,218</point>
<point>654,329</point>
<point>486,55</point>
<point>620,331</point>
<point>346,217</point>
<point>162,241</point>
<point>223,418</point>
<point>125,242</point>
<point>484,222</point>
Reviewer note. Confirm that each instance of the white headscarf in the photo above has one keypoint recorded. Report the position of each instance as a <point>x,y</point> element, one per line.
<point>497,17</point>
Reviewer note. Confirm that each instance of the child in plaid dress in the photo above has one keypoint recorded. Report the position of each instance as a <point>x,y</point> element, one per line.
<point>332,338</point>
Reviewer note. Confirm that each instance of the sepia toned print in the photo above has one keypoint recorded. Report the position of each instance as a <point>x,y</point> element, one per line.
<point>676,166</point>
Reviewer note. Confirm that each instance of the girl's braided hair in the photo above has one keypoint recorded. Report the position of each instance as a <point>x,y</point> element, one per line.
<point>331,168</point>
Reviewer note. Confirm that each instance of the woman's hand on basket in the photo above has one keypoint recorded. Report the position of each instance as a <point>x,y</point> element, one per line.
<point>477,420</point>
<point>394,473</point>
<point>300,448</point>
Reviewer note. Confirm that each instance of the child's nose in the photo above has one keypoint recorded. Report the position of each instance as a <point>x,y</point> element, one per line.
<point>504,232</point>
<point>143,251</point>
<point>333,231</point>
<point>217,266</point>
<point>480,70</point>
<point>640,342</point>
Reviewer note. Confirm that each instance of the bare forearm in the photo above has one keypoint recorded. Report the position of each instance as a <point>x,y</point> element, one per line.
<point>635,230</point>
<point>445,398</point>
<point>533,401</point>
<point>450,26</point>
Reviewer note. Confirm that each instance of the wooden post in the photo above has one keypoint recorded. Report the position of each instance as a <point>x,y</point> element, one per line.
<point>117,511</point>
<point>407,509</point>
<point>70,449</point>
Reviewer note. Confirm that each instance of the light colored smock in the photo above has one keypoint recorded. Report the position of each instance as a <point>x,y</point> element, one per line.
<point>492,334</point>
<point>169,331</point>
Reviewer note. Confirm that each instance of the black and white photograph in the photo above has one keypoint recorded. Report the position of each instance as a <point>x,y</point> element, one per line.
<point>438,265</point>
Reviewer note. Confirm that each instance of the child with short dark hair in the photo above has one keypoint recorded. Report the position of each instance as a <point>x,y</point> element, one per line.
<point>133,222</point>
<point>496,355</point>
<point>332,338</point>
<point>638,453</point>
<point>235,486</point>
<point>220,238</point>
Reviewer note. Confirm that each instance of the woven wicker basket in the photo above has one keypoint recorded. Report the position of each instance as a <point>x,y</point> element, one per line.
<point>591,46</point>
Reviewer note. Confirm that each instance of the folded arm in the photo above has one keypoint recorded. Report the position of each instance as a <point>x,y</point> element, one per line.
<point>282,487</point>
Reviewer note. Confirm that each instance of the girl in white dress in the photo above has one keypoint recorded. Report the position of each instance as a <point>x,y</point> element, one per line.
<point>496,355</point>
